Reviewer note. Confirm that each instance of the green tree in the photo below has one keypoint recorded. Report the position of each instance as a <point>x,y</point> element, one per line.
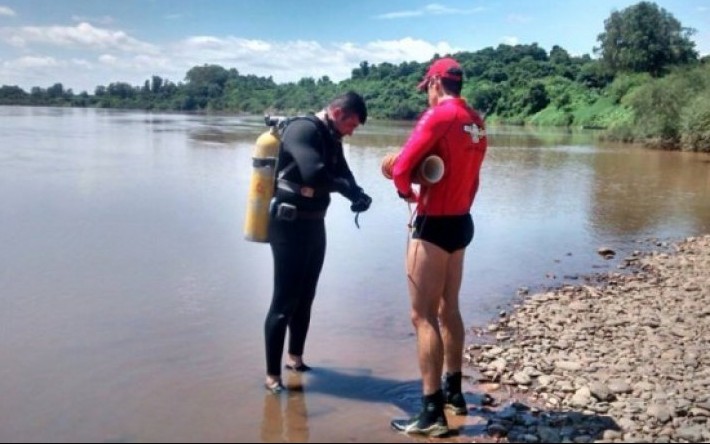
<point>121,90</point>
<point>666,109</point>
<point>12,94</point>
<point>536,98</point>
<point>206,75</point>
<point>559,56</point>
<point>156,84</point>
<point>55,91</point>
<point>594,75</point>
<point>361,72</point>
<point>485,97</point>
<point>695,123</point>
<point>645,38</point>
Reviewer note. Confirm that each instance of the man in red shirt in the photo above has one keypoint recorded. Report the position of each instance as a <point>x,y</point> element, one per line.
<point>442,230</point>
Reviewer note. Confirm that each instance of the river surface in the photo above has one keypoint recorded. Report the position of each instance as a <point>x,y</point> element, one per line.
<point>133,308</point>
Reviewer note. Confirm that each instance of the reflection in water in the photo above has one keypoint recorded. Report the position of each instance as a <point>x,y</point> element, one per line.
<point>643,190</point>
<point>285,417</point>
<point>533,137</point>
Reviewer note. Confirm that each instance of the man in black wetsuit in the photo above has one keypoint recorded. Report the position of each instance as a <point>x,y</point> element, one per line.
<point>311,165</point>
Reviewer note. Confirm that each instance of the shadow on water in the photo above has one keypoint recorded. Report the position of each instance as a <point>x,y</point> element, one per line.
<point>362,385</point>
<point>286,415</point>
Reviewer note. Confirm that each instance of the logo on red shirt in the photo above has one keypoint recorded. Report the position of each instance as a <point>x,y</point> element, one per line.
<point>475,132</point>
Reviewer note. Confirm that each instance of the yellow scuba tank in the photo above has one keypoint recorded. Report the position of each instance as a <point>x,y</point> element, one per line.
<point>261,186</point>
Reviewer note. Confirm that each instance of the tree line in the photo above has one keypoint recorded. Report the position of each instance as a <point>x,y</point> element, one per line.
<point>647,84</point>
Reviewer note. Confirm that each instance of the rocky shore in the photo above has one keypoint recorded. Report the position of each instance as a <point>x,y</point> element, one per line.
<point>624,357</point>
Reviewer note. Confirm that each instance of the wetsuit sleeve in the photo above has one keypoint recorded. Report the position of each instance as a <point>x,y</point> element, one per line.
<point>427,131</point>
<point>302,141</point>
<point>344,181</point>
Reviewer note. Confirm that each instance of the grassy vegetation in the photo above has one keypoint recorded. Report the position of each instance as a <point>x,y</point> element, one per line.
<point>671,112</point>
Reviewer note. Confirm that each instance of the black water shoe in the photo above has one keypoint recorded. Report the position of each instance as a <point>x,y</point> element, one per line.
<point>455,402</point>
<point>430,422</point>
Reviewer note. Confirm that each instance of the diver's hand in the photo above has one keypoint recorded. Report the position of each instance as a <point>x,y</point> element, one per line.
<point>362,203</point>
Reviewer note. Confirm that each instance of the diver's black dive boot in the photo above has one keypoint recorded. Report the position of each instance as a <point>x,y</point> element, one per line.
<point>431,421</point>
<point>454,399</point>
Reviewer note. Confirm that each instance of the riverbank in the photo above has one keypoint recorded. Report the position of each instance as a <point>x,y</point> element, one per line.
<point>621,358</point>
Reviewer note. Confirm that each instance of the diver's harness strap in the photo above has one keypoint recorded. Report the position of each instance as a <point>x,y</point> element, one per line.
<point>301,190</point>
<point>264,162</point>
<point>289,212</point>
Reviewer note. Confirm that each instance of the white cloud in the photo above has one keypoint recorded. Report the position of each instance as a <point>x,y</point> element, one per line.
<point>34,62</point>
<point>223,47</point>
<point>12,40</point>
<point>83,35</point>
<point>404,50</point>
<point>109,60</point>
<point>291,61</point>
<point>103,20</point>
<point>437,9</point>
<point>85,64</point>
<point>510,40</point>
<point>400,14</point>
<point>86,56</point>
<point>428,10</point>
<point>4,10</point>
<point>142,66</point>
<point>29,71</point>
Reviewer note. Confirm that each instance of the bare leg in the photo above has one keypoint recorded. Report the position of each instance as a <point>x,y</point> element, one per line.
<point>452,329</point>
<point>426,272</point>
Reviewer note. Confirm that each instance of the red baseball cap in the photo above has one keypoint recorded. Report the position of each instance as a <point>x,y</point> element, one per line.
<point>446,68</point>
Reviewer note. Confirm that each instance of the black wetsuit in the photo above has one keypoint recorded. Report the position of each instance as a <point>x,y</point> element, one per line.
<point>311,164</point>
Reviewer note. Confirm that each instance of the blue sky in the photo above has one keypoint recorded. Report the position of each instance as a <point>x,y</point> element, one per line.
<point>85,43</point>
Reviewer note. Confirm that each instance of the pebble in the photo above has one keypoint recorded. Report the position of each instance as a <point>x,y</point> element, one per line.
<point>620,358</point>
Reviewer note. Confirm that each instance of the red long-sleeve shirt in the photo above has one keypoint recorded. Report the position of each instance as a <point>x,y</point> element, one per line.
<point>456,133</point>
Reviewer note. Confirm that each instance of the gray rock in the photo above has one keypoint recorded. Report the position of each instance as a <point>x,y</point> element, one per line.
<point>690,433</point>
<point>571,366</point>
<point>600,391</point>
<point>619,387</point>
<point>632,349</point>
<point>609,435</point>
<point>660,412</point>
<point>522,378</point>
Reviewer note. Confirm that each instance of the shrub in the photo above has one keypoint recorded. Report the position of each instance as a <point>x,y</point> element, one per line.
<point>695,124</point>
